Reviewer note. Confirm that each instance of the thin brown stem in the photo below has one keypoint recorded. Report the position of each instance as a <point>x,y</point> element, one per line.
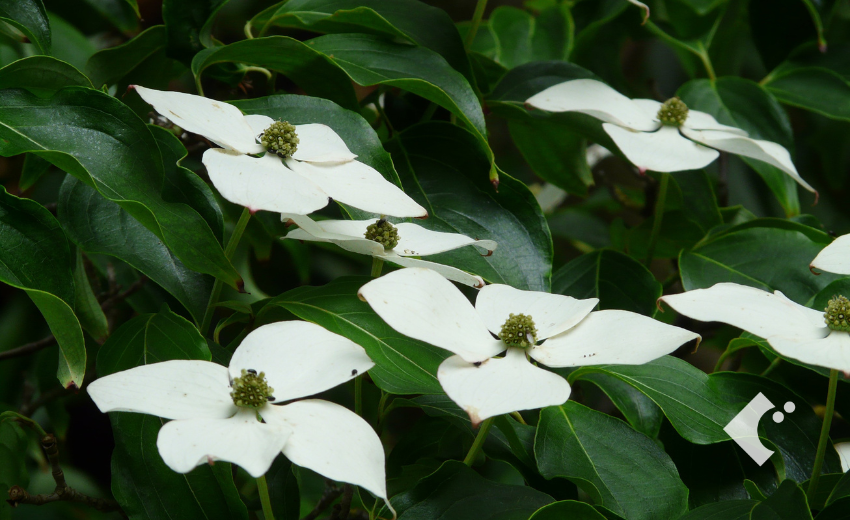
<point>331,493</point>
<point>131,290</point>
<point>29,348</point>
<point>63,492</point>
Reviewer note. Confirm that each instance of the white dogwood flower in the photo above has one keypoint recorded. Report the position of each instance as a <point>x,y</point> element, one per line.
<point>662,137</point>
<point>303,167</point>
<point>215,409</point>
<point>814,337</point>
<point>555,330</point>
<point>392,243</point>
<point>834,258</point>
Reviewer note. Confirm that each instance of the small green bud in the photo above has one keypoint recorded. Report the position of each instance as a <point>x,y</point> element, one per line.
<point>251,390</point>
<point>280,139</point>
<point>837,315</point>
<point>673,112</point>
<point>383,233</point>
<point>519,331</point>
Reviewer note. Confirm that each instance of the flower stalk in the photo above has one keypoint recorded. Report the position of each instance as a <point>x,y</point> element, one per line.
<point>478,443</point>
<point>659,217</point>
<point>265,499</point>
<point>228,253</point>
<point>824,433</point>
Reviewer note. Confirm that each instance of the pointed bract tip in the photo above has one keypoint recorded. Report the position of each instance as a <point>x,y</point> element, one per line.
<point>240,286</point>
<point>641,171</point>
<point>489,253</point>
<point>817,198</point>
<point>72,386</point>
<point>658,304</point>
<point>360,296</point>
<point>696,347</point>
<point>423,217</point>
<point>812,269</point>
<point>822,47</point>
<point>495,183</point>
<point>528,106</point>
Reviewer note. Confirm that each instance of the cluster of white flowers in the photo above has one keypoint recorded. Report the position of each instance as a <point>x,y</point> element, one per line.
<point>254,409</point>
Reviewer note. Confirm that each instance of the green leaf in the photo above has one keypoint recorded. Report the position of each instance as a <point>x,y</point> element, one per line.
<point>409,20</point>
<point>98,225</point>
<point>786,503</point>
<point>101,142</point>
<point>451,184</point>
<point>618,467</point>
<point>814,81</point>
<point>109,66</point>
<point>122,14</point>
<point>737,253</point>
<point>360,138</point>
<point>684,393</point>
<point>618,280</point>
<point>41,75</point>
<point>138,473</point>
<point>402,365</point>
<point>457,492</point>
<point>283,490</point>
<point>34,167</point>
<point>189,24</point>
<point>725,510</point>
<point>370,60</point>
<point>747,105</point>
<point>841,489</point>
<point>30,18</point>
<point>521,38</point>
<point>639,410</point>
<point>35,257</point>
<point>556,154</point>
<point>86,306</point>
<point>567,509</point>
<point>69,44</point>
<point>314,72</point>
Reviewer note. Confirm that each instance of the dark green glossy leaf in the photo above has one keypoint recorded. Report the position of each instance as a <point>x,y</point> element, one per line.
<point>41,75</point>
<point>402,365</point>
<point>457,492</point>
<point>556,154</point>
<point>512,216</point>
<point>283,490</point>
<point>116,154</point>
<point>69,43</point>
<point>684,393</point>
<point>100,226</point>
<point>567,509</point>
<point>642,413</point>
<point>30,18</point>
<point>618,280</point>
<point>110,66</point>
<point>726,510</point>
<point>787,503</point>
<point>838,510</point>
<point>138,474</point>
<point>841,489</point>
<point>314,72</point>
<point>370,60</point>
<point>189,23</point>
<point>35,257</point>
<point>747,105</point>
<point>409,20</point>
<point>86,306</point>
<point>123,14</point>
<point>34,167</point>
<point>521,38</point>
<point>737,255</point>
<point>618,467</point>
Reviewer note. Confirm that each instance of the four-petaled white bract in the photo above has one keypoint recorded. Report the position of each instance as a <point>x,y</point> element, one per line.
<point>321,168</point>
<point>792,330</point>
<point>834,258</point>
<point>634,127</point>
<point>423,305</point>
<point>413,240</point>
<point>299,359</point>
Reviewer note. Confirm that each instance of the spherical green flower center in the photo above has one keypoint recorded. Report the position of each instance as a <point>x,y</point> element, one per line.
<point>519,331</point>
<point>837,315</point>
<point>251,390</point>
<point>383,233</point>
<point>280,138</point>
<point>673,112</point>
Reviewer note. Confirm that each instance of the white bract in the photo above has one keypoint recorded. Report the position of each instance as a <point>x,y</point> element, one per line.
<point>321,168</point>
<point>423,305</point>
<point>834,258</point>
<point>687,142</point>
<point>294,359</point>
<point>792,330</point>
<point>412,240</point>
